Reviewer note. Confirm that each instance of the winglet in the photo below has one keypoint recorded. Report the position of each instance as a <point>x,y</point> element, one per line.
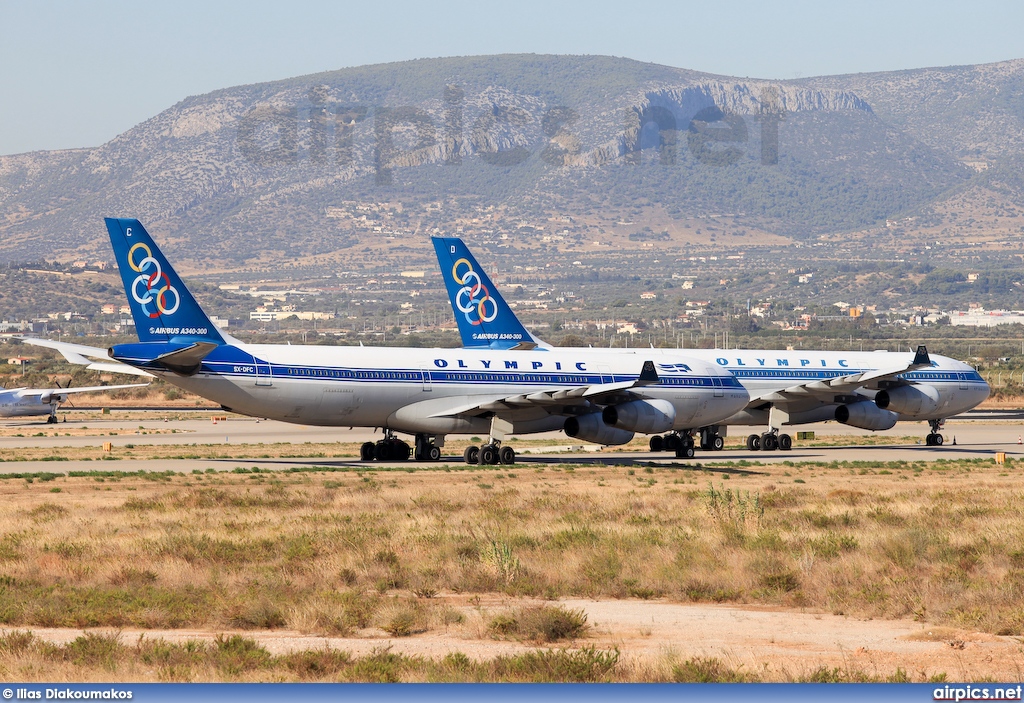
<point>922,358</point>
<point>648,374</point>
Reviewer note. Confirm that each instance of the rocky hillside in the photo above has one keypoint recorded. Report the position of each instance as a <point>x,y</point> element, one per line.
<point>242,176</point>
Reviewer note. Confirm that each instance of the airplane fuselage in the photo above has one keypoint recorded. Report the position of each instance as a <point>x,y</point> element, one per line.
<point>957,386</point>
<point>14,403</point>
<point>412,389</point>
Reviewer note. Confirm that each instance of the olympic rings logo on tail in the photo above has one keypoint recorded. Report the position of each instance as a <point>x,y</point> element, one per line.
<point>468,299</point>
<point>157,284</point>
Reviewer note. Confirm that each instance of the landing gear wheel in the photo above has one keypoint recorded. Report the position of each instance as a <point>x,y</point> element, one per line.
<point>939,439</point>
<point>366,452</point>
<point>657,443</point>
<point>672,442</point>
<point>383,450</point>
<point>753,442</point>
<point>434,452</point>
<point>402,451</point>
<point>472,455</point>
<point>488,455</point>
<point>51,420</point>
<point>507,455</point>
<point>769,442</point>
<point>785,442</point>
<point>718,444</point>
<point>685,452</point>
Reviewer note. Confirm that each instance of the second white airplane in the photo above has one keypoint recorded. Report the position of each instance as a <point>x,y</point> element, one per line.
<point>867,390</point>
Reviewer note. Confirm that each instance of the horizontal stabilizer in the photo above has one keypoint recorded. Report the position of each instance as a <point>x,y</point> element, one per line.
<point>186,361</point>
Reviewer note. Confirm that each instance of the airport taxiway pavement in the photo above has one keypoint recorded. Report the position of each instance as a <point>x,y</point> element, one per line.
<point>983,437</point>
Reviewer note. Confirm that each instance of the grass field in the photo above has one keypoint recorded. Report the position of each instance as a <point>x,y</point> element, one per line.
<point>346,552</point>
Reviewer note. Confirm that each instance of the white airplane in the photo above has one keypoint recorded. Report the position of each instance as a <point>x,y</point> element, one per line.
<point>427,393</point>
<point>867,390</point>
<point>25,402</point>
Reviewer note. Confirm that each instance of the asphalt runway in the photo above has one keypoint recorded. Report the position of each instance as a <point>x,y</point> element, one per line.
<point>980,435</point>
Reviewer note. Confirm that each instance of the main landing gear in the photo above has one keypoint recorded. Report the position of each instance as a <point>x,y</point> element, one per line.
<point>769,442</point>
<point>934,439</point>
<point>391,448</point>
<point>492,454</point>
<point>681,443</point>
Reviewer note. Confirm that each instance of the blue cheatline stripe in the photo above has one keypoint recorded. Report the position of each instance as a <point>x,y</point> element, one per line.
<point>326,373</point>
<point>816,375</point>
<point>224,368</point>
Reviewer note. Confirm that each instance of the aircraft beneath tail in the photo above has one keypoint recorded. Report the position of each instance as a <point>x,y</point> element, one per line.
<point>25,402</point>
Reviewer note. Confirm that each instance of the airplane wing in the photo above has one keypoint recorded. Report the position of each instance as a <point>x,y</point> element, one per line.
<point>82,355</point>
<point>69,391</point>
<point>555,400</point>
<point>841,385</point>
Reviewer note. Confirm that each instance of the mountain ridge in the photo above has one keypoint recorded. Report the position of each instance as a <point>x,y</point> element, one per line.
<point>234,173</point>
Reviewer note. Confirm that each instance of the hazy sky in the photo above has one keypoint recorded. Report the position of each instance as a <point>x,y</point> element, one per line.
<point>78,73</point>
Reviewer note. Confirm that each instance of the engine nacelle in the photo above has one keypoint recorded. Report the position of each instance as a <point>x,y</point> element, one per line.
<point>866,415</point>
<point>909,400</point>
<point>591,428</point>
<point>644,416</point>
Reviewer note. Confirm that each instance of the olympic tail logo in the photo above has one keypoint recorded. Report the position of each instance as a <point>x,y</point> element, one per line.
<point>473,300</point>
<point>151,286</point>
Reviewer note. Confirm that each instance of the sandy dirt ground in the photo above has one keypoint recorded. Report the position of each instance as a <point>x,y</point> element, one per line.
<point>770,643</point>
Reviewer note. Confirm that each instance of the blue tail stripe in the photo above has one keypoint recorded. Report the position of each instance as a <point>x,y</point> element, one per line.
<point>484,318</point>
<point>162,307</point>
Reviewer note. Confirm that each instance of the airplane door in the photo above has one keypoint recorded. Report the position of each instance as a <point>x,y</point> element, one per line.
<point>606,373</point>
<point>425,376</point>
<point>719,391</point>
<point>963,381</point>
<point>263,376</point>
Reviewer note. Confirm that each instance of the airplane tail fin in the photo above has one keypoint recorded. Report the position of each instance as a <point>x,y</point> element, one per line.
<point>484,318</point>
<point>162,307</point>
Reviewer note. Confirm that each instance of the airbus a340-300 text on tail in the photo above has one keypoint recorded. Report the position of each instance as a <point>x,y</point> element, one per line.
<point>427,393</point>
<point>868,390</point>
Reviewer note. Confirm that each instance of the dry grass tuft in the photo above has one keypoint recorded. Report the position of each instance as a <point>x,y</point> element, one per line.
<point>540,624</point>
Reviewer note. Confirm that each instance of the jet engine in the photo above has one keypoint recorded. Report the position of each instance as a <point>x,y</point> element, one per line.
<point>644,416</point>
<point>866,415</point>
<point>591,428</point>
<point>909,400</point>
